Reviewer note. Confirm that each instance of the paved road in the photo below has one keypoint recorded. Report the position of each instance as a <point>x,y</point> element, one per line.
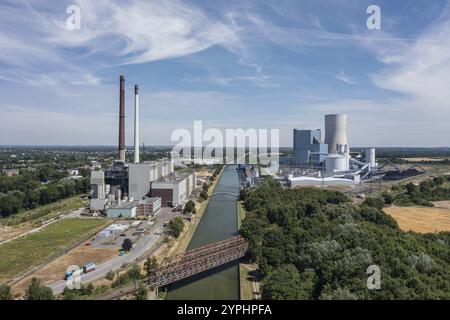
<point>73,214</point>
<point>144,244</point>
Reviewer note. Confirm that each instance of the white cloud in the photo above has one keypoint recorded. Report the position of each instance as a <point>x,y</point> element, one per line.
<point>341,76</point>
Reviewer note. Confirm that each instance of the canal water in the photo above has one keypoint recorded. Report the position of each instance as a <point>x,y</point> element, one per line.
<point>219,222</point>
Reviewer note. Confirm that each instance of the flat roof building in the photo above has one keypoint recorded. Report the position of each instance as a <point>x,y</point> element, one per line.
<point>175,189</point>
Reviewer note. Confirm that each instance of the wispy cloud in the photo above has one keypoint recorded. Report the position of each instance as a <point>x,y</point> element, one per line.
<point>341,76</point>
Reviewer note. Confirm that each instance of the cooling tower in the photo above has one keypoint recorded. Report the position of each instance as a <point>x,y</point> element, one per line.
<point>335,131</point>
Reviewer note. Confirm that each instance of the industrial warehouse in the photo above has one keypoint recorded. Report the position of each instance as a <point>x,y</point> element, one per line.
<point>137,189</point>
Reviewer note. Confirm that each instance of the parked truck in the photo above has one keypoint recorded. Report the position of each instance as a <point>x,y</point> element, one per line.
<point>88,267</point>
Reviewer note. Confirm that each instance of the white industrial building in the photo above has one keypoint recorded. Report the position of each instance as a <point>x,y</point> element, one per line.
<point>339,168</point>
<point>175,189</point>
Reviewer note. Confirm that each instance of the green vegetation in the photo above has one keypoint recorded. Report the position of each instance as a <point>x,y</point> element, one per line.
<point>110,275</point>
<point>141,292</point>
<point>314,244</point>
<point>37,291</point>
<point>189,207</point>
<point>175,227</point>
<point>46,212</point>
<point>435,189</point>
<point>29,190</point>
<point>132,275</point>
<point>23,253</point>
<point>149,265</point>
<point>5,292</point>
<point>127,244</point>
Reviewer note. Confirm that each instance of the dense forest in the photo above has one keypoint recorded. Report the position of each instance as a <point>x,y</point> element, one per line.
<point>315,244</point>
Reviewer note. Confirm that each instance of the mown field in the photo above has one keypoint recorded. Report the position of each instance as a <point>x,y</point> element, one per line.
<point>22,254</point>
<point>421,219</point>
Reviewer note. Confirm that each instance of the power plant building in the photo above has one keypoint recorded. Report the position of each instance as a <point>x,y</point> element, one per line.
<point>123,189</point>
<point>308,147</point>
<point>174,190</point>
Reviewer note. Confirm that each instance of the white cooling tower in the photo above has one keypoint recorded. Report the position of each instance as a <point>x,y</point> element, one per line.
<point>335,131</point>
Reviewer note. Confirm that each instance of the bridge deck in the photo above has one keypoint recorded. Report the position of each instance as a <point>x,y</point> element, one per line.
<point>198,260</point>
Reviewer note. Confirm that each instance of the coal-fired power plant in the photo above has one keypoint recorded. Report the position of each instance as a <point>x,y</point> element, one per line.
<point>136,124</point>
<point>122,147</point>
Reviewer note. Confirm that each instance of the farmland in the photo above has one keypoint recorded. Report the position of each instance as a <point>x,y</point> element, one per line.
<point>421,219</point>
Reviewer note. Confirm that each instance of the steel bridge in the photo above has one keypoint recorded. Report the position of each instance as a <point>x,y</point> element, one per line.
<point>196,261</point>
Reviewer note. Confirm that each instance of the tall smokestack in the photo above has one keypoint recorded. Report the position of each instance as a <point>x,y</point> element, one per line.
<point>136,124</point>
<point>122,147</point>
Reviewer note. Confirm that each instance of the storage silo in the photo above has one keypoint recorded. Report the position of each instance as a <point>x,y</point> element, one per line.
<point>370,157</point>
<point>335,131</point>
<point>335,162</point>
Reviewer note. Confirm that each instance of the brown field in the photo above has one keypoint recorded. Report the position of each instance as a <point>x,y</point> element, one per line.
<point>421,219</point>
<point>7,232</point>
<point>55,270</point>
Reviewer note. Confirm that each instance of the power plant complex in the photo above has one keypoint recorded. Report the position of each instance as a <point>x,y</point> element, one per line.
<point>327,161</point>
<point>137,189</point>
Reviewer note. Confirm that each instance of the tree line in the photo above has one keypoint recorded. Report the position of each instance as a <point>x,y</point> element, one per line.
<point>29,190</point>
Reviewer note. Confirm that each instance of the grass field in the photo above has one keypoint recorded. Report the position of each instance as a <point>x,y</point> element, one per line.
<point>46,212</point>
<point>421,219</point>
<point>22,254</point>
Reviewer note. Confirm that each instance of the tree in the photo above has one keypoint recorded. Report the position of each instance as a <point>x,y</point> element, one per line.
<point>127,244</point>
<point>175,227</point>
<point>110,275</point>
<point>150,264</point>
<point>141,293</point>
<point>204,195</point>
<point>5,292</point>
<point>189,207</point>
<point>37,291</point>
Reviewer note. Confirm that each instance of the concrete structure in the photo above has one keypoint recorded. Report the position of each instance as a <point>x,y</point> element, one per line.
<point>113,229</point>
<point>305,181</point>
<point>123,210</point>
<point>122,147</point>
<point>370,158</point>
<point>175,189</point>
<point>10,172</point>
<point>136,124</point>
<point>149,207</point>
<point>335,163</point>
<point>98,190</point>
<point>165,168</point>
<point>335,131</point>
<point>140,177</point>
<point>308,147</point>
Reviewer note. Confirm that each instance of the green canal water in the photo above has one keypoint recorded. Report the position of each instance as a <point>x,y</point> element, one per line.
<point>219,222</point>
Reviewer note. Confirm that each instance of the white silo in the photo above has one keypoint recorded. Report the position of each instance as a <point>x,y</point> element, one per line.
<point>335,131</point>
<point>370,157</point>
<point>335,162</point>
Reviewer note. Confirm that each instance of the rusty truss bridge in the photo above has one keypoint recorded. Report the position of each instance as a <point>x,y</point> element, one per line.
<point>198,260</point>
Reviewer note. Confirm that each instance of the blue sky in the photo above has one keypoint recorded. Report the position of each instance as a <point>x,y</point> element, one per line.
<point>231,64</point>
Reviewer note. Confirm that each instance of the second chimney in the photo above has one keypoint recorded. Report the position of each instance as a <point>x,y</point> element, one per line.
<point>136,124</point>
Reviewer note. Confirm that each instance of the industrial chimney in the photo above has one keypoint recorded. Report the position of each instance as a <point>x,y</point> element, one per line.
<point>122,147</point>
<point>136,124</point>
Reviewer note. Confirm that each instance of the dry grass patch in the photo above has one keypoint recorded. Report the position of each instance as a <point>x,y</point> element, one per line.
<point>421,219</point>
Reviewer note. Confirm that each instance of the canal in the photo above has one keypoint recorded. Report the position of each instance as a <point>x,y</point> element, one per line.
<point>219,222</point>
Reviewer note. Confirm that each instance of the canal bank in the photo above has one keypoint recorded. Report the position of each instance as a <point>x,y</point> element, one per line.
<point>219,222</point>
